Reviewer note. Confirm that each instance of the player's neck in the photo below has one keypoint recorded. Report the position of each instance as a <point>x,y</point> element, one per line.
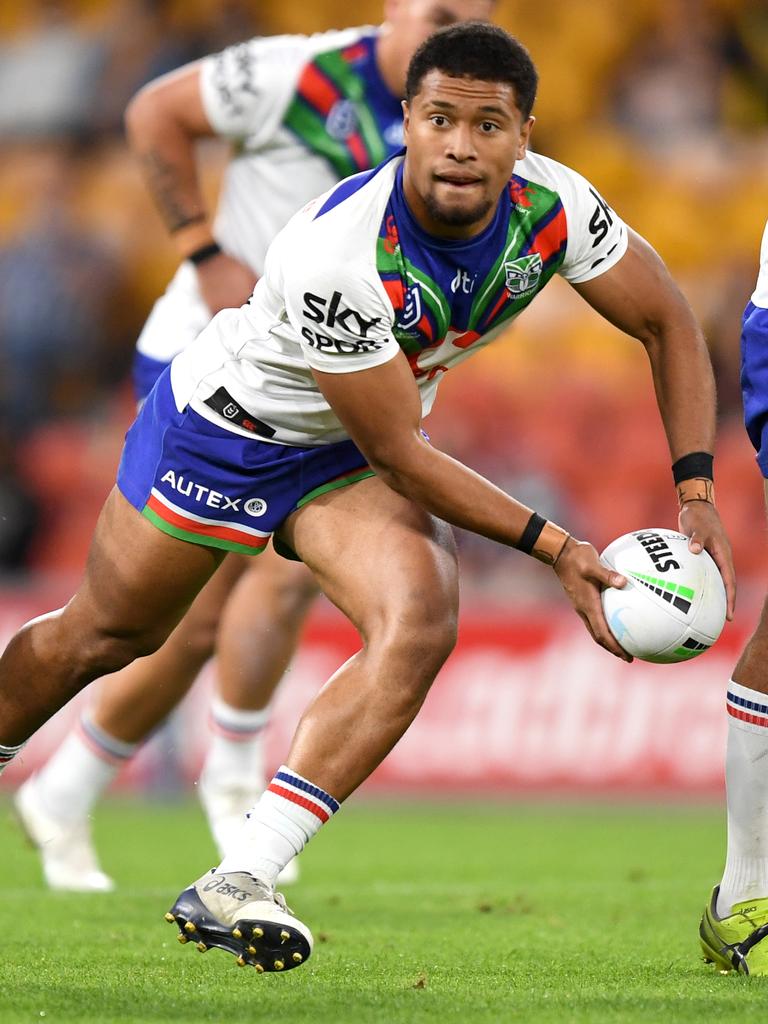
<point>387,61</point>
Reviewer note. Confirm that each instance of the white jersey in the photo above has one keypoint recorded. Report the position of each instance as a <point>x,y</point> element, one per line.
<point>302,112</point>
<point>760,294</point>
<point>353,280</point>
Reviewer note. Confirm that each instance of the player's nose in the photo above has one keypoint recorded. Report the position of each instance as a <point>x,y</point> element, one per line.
<point>460,143</point>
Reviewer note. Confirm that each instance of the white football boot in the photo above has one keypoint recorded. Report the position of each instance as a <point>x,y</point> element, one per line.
<point>226,807</point>
<point>66,850</point>
<point>243,916</point>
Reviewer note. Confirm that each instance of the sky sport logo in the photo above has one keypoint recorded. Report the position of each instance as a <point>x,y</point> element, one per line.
<point>334,315</point>
<point>213,499</point>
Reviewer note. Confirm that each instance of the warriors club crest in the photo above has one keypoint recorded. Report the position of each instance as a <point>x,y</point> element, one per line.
<point>522,275</point>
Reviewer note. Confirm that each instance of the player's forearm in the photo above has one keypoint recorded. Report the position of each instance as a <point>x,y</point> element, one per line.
<point>453,492</point>
<point>685,387</point>
<point>165,149</point>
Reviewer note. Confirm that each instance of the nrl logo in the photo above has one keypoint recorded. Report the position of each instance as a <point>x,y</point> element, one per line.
<point>522,275</point>
<point>411,311</point>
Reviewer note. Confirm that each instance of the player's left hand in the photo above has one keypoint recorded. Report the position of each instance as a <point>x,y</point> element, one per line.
<point>700,522</point>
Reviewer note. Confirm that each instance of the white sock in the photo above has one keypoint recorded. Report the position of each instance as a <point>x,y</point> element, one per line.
<point>7,754</point>
<point>746,777</point>
<point>235,756</point>
<point>288,814</point>
<point>74,778</point>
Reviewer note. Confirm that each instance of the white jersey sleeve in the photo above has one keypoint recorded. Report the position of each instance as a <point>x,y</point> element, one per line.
<point>342,316</point>
<point>247,88</point>
<point>597,236</point>
<point>760,294</point>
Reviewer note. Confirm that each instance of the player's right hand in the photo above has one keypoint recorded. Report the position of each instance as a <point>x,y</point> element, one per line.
<point>583,576</point>
<point>225,282</point>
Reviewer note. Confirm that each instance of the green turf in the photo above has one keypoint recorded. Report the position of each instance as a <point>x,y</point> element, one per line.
<point>448,914</point>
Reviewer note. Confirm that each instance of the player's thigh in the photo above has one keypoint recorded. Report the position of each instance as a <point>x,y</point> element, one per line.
<point>200,625</point>
<point>378,556</point>
<point>138,579</point>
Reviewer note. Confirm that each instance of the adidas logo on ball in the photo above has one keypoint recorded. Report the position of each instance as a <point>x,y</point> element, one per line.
<point>673,605</point>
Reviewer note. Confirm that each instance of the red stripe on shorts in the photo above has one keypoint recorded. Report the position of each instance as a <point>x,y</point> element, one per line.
<point>206,529</point>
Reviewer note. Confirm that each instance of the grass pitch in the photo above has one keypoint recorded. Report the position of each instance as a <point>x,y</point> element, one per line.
<point>452,913</point>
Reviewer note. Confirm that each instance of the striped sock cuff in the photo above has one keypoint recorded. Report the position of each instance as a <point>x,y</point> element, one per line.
<point>748,708</point>
<point>7,754</point>
<point>105,746</point>
<point>302,793</point>
<point>235,723</point>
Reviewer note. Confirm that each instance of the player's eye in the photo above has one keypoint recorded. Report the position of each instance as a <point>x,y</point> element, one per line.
<point>439,120</point>
<point>488,127</point>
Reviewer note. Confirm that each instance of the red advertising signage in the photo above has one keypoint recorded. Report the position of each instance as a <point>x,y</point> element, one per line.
<point>526,702</point>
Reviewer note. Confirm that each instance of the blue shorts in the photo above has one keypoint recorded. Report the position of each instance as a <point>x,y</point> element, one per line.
<point>203,484</point>
<point>144,373</point>
<point>754,380</point>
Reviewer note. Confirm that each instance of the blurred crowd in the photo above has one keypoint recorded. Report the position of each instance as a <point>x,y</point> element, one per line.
<point>663,104</point>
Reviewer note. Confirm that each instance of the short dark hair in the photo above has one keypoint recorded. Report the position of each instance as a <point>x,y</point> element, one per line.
<point>475,49</point>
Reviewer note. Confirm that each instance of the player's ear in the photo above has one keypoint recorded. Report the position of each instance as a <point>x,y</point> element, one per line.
<point>406,121</point>
<point>525,137</point>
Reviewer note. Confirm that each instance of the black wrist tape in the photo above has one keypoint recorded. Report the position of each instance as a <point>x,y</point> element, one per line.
<point>205,252</point>
<point>693,465</point>
<point>531,533</point>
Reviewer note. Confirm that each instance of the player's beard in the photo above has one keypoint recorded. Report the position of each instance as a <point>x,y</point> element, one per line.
<point>456,216</point>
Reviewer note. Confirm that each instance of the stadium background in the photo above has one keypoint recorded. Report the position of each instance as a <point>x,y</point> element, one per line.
<point>663,106</point>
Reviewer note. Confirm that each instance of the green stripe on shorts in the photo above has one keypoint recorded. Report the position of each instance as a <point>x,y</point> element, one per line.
<point>199,538</point>
<point>342,481</point>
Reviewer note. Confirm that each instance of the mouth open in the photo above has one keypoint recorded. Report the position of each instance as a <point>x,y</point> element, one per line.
<point>457,180</point>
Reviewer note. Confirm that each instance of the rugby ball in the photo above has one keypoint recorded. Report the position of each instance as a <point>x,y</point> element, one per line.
<point>673,605</point>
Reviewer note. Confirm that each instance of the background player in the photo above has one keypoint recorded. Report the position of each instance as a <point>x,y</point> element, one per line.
<point>734,927</point>
<point>302,112</point>
<point>359,283</point>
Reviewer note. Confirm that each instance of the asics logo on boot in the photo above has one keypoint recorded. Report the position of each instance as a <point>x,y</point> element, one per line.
<point>226,889</point>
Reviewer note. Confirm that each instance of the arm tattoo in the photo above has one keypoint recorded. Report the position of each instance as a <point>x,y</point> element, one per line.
<point>162,182</point>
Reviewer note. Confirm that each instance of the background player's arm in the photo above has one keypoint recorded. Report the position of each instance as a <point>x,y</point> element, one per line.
<point>639,296</point>
<point>164,122</point>
<point>381,410</point>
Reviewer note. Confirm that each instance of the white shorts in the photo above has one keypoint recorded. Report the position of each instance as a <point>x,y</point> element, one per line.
<point>177,317</point>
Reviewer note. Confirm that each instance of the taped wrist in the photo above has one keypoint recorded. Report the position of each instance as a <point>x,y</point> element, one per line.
<point>542,539</point>
<point>205,252</point>
<point>694,476</point>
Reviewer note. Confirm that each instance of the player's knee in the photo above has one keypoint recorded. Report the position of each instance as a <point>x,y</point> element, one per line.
<point>436,640</point>
<point>194,638</point>
<point>108,650</point>
<point>287,587</point>
<point>296,593</point>
<point>421,638</point>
